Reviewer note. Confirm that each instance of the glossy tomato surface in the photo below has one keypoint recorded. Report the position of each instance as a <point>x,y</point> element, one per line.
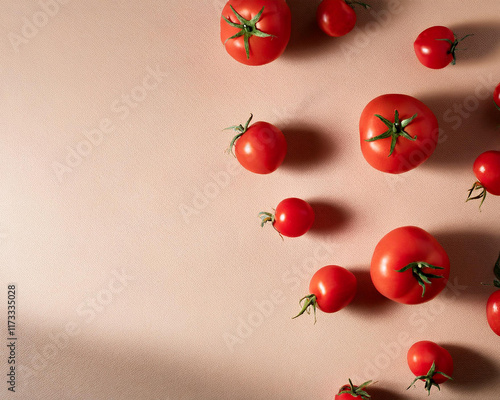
<point>493,312</point>
<point>334,288</point>
<point>335,17</point>
<point>293,217</point>
<point>407,154</point>
<point>496,96</point>
<point>487,171</point>
<point>261,149</point>
<point>421,356</point>
<point>400,247</point>
<point>431,52</point>
<point>275,20</point>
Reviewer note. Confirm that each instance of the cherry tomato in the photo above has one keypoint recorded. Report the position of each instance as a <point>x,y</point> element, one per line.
<point>397,133</point>
<point>331,289</point>
<point>496,96</point>
<point>260,148</point>
<point>350,391</point>
<point>337,17</point>
<point>409,266</point>
<point>493,304</point>
<point>431,363</point>
<point>487,171</point>
<point>435,47</point>
<point>255,32</point>
<point>293,217</point>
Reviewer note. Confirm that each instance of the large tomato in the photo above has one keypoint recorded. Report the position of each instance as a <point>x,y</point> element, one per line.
<point>487,171</point>
<point>337,17</point>
<point>259,148</point>
<point>331,289</point>
<point>493,304</point>
<point>431,363</point>
<point>435,47</point>
<point>409,266</point>
<point>293,217</point>
<point>353,392</point>
<point>255,32</point>
<point>397,133</point>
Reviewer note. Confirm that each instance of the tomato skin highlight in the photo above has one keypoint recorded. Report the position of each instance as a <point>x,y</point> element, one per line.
<point>422,354</point>
<point>275,20</point>
<point>334,288</point>
<point>493,312</point>
<point>293,217</point>
<point>261,149</point>
<point>399,248</point>
<point>487,171</point>
<point>407,154</point>
<point>434,53</point>
<point>335,17</point>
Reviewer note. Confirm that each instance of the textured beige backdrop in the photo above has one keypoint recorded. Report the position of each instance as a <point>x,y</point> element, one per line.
<point>142,271</point>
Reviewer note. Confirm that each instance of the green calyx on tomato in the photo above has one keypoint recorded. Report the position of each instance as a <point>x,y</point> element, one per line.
<point>247,28</point>
<point>396,129</point>
<point>266,217</point>
<point>496,271</point>
<point>309,301</point>
<point>429,378</point>
<point>356,391</point>
<point>241,130</point>
<point>454,45</point>
<point>422,277</point>
<point>351,4</point>
<point>482,195</point>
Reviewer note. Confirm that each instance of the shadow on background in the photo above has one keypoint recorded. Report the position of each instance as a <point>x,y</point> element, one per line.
<point>386,394</point>
<point>484,43</point>
<point>328,216</point>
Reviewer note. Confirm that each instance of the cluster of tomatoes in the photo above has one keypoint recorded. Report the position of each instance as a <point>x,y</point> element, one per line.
<point>397,133</point>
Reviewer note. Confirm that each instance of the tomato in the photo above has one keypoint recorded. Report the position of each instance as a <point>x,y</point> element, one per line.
<point>331,289</point>
<point>409,266</point>
<point>493,304</point>
<point>260,148</point>
<point>397,133</point>
<point>496,96</point>
<point>337,17</point>
<point>487,171</point>
<point>431,363</point>
<point>255,32</point>
<point>293,217</point>
<point>350,391</point>
<point>435,47</point>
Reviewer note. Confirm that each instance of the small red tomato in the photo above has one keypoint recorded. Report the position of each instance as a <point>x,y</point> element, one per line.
<point>496,96</point>
<point>487,171</point>
<point>255,32</point>
<point>350,391</point>
<point>493,304</point>
<point>331,289</point>
<point>397,133</point>
<point>293,217</point>
<point>260,148</point>
<point>430,363</point>
<point>409,266</point>
<point>337,17</point>
<point>435,47</point>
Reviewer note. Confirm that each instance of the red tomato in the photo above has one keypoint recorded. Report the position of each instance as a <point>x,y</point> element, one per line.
<point>435,47</point>
<point>255,32</point>
<point>431,363</point>
<point>293,217</point>
<point>260,148</point>
<point>350,391</point>
<point>493,305</point>
<point>337,17</point>
<point>397,133</point>
<point>487,171</point>
<point>496,96</point>
<point>409,266</point>
<point>331,289</point>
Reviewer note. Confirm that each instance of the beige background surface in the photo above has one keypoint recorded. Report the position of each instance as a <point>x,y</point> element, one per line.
<point>103,251</point>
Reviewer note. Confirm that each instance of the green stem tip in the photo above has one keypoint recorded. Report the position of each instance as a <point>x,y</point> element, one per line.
<point>422,277</point>
<point>309,301</point>
<point>429,379</point>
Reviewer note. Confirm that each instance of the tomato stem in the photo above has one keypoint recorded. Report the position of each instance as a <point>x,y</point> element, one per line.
<point>247,28</point>
<point>396,129</point>
<point>422,277</point>
<point>356,391</point>
<point>482,195</point>
<point>310,301</point>
<point>351,4</point>
<point>241,130</point>
<point>266,217</point>
<point>429,381</point>
<point>454,45</point>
